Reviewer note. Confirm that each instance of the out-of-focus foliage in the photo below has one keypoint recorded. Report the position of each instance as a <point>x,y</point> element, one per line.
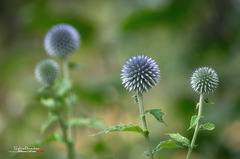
<point>180,35</point>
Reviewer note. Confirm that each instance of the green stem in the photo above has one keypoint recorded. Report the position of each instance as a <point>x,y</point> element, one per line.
<point>141,109</point>
<point>65,68</point>
<point>197,127</point>
<point>70,108</point>
<point>69,144</point>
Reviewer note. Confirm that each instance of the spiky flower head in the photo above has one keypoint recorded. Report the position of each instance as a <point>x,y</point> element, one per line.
<point>61,40</point>
<point>140,74</point>
<point>47,71</point>
<point>204,80</point>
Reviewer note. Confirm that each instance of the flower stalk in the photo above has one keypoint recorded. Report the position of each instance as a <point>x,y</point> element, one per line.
<point>200,105</point>
<point>68,143</point>
<point>60,41</point>
<point>65,68</point>
<point>203,80</point>
<point>144,123</point>
<point>140,74</point>
<point>70,106</point>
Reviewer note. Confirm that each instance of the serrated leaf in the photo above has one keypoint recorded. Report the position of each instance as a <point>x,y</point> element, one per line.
<point>48,102</point>
<point>62,86</point>
<point>74,65</point>
<point>91,122</point>
<point>158,114</point>
<point>168,144</point>
<point>194,121</point>
<point>207,126</point>
<point>122,127</point>
<point>181,139</point>
<point>208,101</point>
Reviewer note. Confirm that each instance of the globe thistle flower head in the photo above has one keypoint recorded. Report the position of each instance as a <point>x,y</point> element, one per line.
<point>47,71</point>
<point>140,74</point>
<point>61,40</point>
<point>204,80</point>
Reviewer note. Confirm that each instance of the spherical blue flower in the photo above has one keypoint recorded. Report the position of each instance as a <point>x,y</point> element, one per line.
<point>140,74</point>
<point>204,80</point>
<point>61,40</point>
<point>47,71</point>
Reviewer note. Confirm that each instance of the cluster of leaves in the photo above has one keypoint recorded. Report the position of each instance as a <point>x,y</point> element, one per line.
<point>58,95</point>
<point>176,141</point>
<point>57,98</point>
<point>158,115</point>
<point>194,120</point>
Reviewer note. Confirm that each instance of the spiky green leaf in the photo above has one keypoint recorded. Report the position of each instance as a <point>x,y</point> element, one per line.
<point>207,126</point>
<point>194,121</point>
<point>168,144</point>
<point>122,127</point>
<point>181,139</point>
<point>158,114</point>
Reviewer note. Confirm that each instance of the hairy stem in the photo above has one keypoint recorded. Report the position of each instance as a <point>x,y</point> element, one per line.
<point>69,144</point>
<point>141,109</point>
<point>197,127</point>
<point>70,108</point>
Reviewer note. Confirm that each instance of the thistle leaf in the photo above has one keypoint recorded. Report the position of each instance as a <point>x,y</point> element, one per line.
<point>168,144</point>
<point>193,121</point>
<point>207,126</point>
<point>122,127</point>
<point>181,139</point>
<point>158,114</point>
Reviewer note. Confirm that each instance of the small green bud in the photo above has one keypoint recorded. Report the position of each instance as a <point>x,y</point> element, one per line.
<point>47,71</point>
<point>204,80</point>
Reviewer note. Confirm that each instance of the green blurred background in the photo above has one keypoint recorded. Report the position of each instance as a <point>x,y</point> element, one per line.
<point>180,35</point>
